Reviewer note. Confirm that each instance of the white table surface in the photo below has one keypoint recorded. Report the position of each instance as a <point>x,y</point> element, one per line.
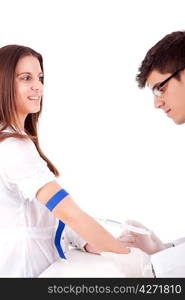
<point>83,264</point>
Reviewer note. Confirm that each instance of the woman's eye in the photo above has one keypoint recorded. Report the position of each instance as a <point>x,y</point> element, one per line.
<point>25,78</point>
<point>41,78</point>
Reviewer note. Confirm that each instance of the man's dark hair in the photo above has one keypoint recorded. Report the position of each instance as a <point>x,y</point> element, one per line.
<point>167,56</point>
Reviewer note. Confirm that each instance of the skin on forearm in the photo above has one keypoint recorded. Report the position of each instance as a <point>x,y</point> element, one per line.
<point>87,227</point>
<point>83,224</point>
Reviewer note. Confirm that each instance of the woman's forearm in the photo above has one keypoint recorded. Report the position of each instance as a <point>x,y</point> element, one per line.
<point>82,223</point>
<point>87,227</point>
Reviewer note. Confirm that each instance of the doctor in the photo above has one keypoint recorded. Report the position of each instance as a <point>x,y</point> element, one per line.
<point>163,71</point>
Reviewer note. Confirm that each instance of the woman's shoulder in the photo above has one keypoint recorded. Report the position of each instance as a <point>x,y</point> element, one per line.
<point>14,140</point>
<point>16,144</point>
<point>17,149</point>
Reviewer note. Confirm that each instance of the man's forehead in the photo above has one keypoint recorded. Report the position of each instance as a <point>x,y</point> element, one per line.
<point>155,77</point>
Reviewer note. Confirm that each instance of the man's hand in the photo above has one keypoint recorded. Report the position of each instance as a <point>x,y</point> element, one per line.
<point>149,243</point>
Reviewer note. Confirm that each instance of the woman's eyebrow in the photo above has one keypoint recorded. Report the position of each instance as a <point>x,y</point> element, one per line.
<point>28,73</point>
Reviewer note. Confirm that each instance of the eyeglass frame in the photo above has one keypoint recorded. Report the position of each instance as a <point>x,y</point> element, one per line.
<point>156,88</point>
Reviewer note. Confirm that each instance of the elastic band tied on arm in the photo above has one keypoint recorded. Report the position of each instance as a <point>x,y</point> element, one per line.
<point>51,204</point>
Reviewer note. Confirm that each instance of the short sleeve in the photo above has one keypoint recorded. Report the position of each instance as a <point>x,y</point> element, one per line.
<point>22,168</point>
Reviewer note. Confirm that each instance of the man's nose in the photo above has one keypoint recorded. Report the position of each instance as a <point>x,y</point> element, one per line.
<point>159,102</point>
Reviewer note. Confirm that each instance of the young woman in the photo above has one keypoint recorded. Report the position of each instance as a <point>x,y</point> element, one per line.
<point>28,185</point>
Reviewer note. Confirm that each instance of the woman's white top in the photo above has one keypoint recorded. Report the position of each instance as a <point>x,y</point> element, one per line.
<point>27,228</point>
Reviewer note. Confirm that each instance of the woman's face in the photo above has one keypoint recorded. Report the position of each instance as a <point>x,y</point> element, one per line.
<point>28,86</point>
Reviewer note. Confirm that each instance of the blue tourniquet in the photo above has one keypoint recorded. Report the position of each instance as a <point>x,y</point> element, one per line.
<point>59,196</point>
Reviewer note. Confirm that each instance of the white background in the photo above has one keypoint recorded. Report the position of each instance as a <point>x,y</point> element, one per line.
<point>118,157</point>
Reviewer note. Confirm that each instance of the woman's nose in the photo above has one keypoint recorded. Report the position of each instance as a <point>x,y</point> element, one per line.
<point>34,88</point>
<point>36,85</point>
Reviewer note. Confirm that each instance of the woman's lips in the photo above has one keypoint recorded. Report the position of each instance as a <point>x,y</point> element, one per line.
<point>34,98</point>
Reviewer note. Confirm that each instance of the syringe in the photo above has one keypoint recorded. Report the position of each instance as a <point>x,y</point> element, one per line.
<point>125,226</point>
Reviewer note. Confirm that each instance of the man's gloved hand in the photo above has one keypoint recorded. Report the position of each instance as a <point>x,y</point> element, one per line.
<point>149,243</point>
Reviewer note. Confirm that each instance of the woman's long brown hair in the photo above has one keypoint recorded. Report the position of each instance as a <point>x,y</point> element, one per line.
<point>9,57</point>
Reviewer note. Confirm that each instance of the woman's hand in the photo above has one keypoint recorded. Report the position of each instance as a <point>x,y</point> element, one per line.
<point>91,249</point>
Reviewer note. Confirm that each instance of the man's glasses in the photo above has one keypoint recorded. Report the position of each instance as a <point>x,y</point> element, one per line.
<point>156,90</point>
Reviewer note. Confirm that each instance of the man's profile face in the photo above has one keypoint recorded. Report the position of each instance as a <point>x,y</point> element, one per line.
<point>172,98</point>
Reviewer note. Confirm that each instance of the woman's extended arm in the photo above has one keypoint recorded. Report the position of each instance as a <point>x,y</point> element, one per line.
<point>82,223</point>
